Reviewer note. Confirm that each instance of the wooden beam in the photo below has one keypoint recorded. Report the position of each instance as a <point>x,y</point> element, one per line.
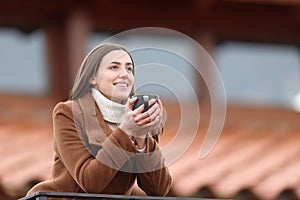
<point>275,21</point>
<point>208,41</point>
<point>58,60</point>
<point>78,32</point>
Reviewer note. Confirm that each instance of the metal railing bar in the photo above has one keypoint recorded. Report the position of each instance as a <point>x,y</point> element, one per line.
<point>70,195</point>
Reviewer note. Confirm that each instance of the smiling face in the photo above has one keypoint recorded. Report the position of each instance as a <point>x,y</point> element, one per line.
<point>114,78</point>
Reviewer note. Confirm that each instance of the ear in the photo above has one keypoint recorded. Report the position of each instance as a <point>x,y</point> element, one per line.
<point>93,81</point>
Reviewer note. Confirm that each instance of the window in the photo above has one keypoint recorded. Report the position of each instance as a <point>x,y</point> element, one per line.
<point>259,74</point>
<point>23,66</point>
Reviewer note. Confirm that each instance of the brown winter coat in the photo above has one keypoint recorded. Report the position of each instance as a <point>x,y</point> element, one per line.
<point>90,157</point>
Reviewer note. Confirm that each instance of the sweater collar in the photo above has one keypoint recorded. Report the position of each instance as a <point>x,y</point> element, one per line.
<point>112,112</point>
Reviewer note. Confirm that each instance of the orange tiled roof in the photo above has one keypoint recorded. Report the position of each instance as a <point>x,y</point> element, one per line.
<point>252,153</point>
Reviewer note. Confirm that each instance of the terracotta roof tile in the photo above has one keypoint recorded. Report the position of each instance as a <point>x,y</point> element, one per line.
<point>288,176</point>
<point>266,161</point>
<point>26,155</point>
<point>251,156</point>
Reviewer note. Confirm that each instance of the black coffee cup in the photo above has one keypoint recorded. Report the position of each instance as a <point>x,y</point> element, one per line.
<point>144,99</point>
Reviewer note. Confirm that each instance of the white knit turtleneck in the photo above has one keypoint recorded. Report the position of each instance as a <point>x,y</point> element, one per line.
<point>112,112</point>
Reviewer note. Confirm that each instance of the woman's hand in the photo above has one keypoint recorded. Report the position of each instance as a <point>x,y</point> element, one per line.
<point>136,123</point>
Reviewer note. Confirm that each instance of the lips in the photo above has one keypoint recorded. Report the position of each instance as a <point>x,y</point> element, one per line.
<point>121,84</point>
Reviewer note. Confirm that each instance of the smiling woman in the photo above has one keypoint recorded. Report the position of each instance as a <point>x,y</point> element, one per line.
<point>115,79</point>
<point>101,144</point>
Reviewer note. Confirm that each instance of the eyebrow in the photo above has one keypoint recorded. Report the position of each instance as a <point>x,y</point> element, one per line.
<point>118,63</point>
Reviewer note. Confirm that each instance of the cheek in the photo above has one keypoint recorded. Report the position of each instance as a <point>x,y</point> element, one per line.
<point>131,79</point>
<point>105,79</point>
<point>104,84</point>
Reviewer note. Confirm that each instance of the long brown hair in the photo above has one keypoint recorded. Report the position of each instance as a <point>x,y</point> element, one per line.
<point>90,66</point>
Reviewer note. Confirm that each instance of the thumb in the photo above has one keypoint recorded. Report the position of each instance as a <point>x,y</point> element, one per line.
<point>131,102</point>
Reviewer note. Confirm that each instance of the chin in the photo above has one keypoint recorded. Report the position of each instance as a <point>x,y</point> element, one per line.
<point>120,95</point>
<point>121,98</point>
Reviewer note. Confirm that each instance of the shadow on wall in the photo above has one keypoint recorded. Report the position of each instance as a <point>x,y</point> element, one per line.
<point>204,192</point>
<point>287,194</point>
<point>246,194</point>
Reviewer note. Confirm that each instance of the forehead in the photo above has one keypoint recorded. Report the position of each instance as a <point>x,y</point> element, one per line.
<point>116,56</point>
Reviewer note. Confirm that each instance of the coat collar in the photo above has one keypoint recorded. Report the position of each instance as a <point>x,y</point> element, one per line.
<point>91,119</point>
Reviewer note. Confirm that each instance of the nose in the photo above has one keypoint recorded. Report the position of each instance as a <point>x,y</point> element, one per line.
<point>123,72</point>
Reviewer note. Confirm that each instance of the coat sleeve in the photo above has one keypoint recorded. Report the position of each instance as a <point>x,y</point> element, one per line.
<point>89,172</point>
<point>153,176</point>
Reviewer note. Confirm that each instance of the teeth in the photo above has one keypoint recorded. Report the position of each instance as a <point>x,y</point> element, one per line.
<point>122,84</point>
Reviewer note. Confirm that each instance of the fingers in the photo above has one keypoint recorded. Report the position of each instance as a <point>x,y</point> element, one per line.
<point>151,102</point>
<point>131,102</point>
<point>150,117</point>
<point>140,109</point>
<point>130,107</point>
<point>160,103</point>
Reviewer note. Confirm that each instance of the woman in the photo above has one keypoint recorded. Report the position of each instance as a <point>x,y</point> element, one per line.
<point>101,145</point>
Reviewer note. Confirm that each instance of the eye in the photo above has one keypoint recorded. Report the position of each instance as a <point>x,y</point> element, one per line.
<point>113,67</point>
<point>129,69</point>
